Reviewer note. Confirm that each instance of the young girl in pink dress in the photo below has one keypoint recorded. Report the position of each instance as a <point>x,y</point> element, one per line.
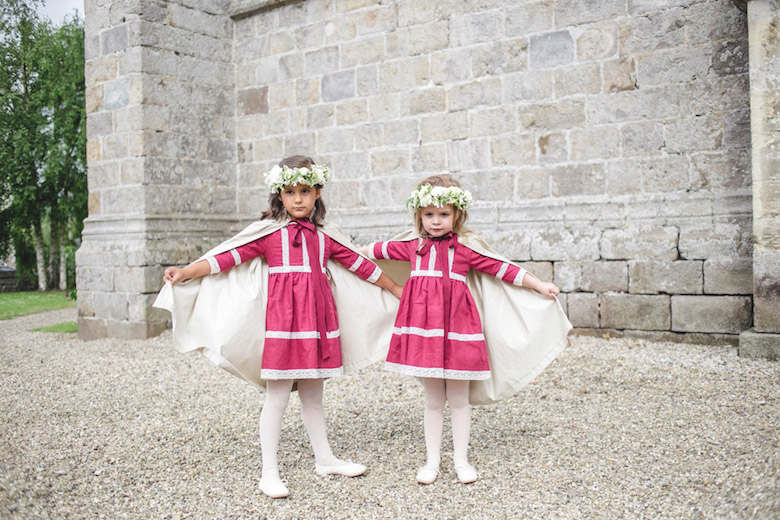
<point>438,334</point>
<point>302,337</point>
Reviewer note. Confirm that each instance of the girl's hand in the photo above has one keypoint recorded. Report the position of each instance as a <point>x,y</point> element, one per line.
<point>173,275</point>
<point>548,289</point>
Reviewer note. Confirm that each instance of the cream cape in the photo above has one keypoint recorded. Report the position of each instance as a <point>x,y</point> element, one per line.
<point>524,330</point>
<point>223,315</point>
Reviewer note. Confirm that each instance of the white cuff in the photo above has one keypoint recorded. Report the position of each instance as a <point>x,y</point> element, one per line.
<point>214,264</point>
<point>375,275</point>
<point>518,281</point>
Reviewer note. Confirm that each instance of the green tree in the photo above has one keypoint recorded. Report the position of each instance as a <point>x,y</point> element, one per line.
<point>42,137</point>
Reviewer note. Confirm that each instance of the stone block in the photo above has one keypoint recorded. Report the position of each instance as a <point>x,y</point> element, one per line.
<point>737,129</point>
<point>716,21</point>
<point>338,86</point>
<point>635,311</point>
<point>642,138</point>
<point>321,61</point>
<point>597,42</point>
<point>541,270</point>
<point>351,112</point>
<point>644,6</point>
<point>477,27</point>
<point>320,116</point>
<point>499,58</point>
<point>728,276</point>
<point>657,31</point>
<point>553,148</point>
<point>476,93</point>
<point>366,80</point>
<point>304,143</point>
<point>290,67</point>
<point>646,242</point>
<point>562,114</point>
<point>568,276</point>
<point>730,57</point>
<point>444,127</point>
<point>351,166</point>
<point>369,136</point>
<point>91,328</point>
<point>766,295</point>
<point>447,66</point>
<point>252,101</point>
<point>677,277</point>
<point>100,70</point>
<point>402,131</point>
<point>582,179</point>
<point>113,40</point>
<point>719,314</point>
<point>664,174</point>
<point>515,245</point>
<point>673,66</point>
<point>531,183</point>
<point>579,79</point>
<point>604,276</point>
<point>577,12</point>
<point>620,75</point>
<point>389,162</point>
<point>307,91</point>
<point>760,345</point>
<point>492,122</point>
<point>468,154</point>
<point>384,107</point>
<point>601,142</point>
<point>722,170</point>
<point>424,39</point>
<point>525,86</point>
<point>565,245</point>
<point>583,309</point>
<point>425,101</point>
<point>404,74</point>
<point>281,96</point>
<point>363,51</point>
<point>381,19</point>
<point>694,134</point>
<point>514,149</point>
<point>493,185</point>
<point>530,17</point>
<point>551,49</point>
<point>331,140</point>
<point>429,157</point>
<point>711,240</point>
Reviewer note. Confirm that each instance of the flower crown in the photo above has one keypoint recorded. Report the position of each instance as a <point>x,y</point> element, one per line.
<point>427,195</point>
<point>280,176</point>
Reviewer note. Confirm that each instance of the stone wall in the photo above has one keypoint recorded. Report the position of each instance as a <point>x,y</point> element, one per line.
<point>607,143</point>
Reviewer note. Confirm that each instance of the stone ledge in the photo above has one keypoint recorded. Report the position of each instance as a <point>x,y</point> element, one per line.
<point>754,344</point>
<point>686,338</point>
<point>241,8</point>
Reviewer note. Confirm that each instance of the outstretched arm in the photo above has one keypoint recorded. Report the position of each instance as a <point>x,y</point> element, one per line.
<point>544,288</point>
<point>177,274</point>
<point>385,282</point>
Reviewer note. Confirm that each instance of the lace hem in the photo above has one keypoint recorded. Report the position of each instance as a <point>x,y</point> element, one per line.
<point>438,373</point>
<point>301,373</point>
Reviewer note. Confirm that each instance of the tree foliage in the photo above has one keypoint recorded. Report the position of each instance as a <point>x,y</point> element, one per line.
<point>43,192</point>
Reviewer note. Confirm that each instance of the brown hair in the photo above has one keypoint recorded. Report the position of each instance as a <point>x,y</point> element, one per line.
<point>459,216</point>
<point>276,209</point>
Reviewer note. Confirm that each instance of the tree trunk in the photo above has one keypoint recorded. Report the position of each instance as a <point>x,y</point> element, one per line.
<point>54,251</point>
<point>63,263</point>
<point>40,259</point>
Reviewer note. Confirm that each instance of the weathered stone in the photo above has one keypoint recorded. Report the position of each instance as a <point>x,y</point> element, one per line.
<point>338,86</point>
<point>604,276</point>
<point>565,244</point>
<point>642,138</point>
<point>428,38</point>
<point>351,111</point>
<point>576,12</point>
<point>552,116</point>
<point>652,277</point>
<point>476,93</point>
<point>447,66</point>
<point>761,345</point>
<point>366,80</point>
<point>633,242</point>
<point>737,129</point>
<point>553,148</point>
<point>517,246</point>
<point>724,314</point>
<point>515,149</point>
<point>429,158</point>
<point>477,27</point>
<point>568,276</point>
<point>654,32</point>
<point>523,86</point>
<point>252,101</point>
<point>583,309</point>
<point>728,276</point>
<point>582,179</point>
<point>602,142</point>
<point>551,49</point>
<point>384,107</point>
<point>499,58</point>
<point>635,311</point>
<point>673,66</point>
<point>711,240</point>
<point>694,134</point>
<point>113,40</point>
<point>579,79</point>
<point>321,61</point>
<point>443,127</point>
<point>403,131</point>
<point>727,170</point>
<point>404,74</point>
<point>730,57</point>
<point>531,183</point>
<point>330,140</point>
<point>377,20</point>
<point>716,21</point>
<point>468,154</point>
<point>664,174</point>
<point>531,17</point>
<point>598,42</point>
<point>387,162</point>
<point>424,101</point>
<point>766,292</point>
<point>492,121</point>
<point>363,51</point>
<point>320,116</point>
<point>541,270</point>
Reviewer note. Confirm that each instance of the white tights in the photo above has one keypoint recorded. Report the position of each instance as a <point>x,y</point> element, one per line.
<point>437,393</point>
<point>276,398</point>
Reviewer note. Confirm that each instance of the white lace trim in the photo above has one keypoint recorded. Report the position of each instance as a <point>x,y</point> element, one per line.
<point>236,256</point>
<point>289,269</point>
<point>213,264</point>
<point>375,275</point>
<point>385,255</point>
<point>417,331</point>
<point>420,272</point>
<point>518,281</point>
<point>502,271</point>
<point>438,373</point>
<point>457,336</point>
<point>306,334</point>
<point>301,373</point>
<point>354,267</point>
<point>457,277</point>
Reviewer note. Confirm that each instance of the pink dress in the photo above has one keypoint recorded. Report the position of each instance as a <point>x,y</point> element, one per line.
<point>302,332</point>
<point>438,331</point>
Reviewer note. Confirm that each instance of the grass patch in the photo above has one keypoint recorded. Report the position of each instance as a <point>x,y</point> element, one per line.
<point>15,304</point>
<point>68,327</point>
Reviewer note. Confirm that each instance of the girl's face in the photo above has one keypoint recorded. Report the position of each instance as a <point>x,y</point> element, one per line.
<point>299,200</point>
<point>437,221</point>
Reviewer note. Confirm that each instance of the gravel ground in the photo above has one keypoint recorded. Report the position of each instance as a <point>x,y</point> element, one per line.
<point>618,428</point>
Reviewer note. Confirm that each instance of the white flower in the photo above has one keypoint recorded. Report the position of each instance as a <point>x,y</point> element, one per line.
<point>280,176</point>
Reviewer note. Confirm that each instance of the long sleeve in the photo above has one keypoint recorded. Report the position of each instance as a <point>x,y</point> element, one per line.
<point>389,251</point>
<point>362,267</point>
<point>504,271</point>
<point>237,256</point>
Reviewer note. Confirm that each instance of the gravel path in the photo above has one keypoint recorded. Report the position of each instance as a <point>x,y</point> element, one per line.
<point>619,428</point>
